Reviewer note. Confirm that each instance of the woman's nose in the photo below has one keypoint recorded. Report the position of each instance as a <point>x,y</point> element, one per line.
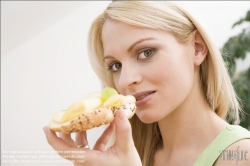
<point>130,76</point>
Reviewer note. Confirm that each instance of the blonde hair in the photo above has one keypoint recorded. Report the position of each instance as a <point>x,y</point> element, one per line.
<point>167,16</point>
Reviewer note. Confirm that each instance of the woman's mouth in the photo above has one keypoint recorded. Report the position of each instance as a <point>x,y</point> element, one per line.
<point>143,97</point>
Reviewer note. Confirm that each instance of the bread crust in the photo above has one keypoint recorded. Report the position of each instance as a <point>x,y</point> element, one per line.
<point>92,119</point>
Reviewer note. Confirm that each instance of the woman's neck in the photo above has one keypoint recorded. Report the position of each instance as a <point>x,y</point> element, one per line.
<point>191,127</point>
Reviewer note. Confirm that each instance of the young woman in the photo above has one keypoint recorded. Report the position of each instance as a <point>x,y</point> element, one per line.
<point>158,52</point>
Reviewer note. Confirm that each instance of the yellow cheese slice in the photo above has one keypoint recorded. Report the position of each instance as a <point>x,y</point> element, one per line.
<point>58,116</point>
<point>114,100</point>
<point>90,103</point>
<point>77,109</point>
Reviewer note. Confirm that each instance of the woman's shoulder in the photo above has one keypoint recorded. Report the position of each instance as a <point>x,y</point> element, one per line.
<point>230,147</point>
<point>236,154</point>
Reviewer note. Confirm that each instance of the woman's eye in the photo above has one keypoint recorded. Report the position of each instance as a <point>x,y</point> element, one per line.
<point>115,66</point>
<point>145,54</point>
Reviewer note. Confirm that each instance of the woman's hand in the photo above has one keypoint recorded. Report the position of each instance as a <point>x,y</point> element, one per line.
<point>122,153</point>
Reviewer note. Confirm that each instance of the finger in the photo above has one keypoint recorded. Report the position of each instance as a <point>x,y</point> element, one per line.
<point>57,143</point>
<point>81,138</point>
<point>67,138</point>
<point>62,148</point>
<point>76,155</point>
<point>104,139</point>
<point>124,139</point>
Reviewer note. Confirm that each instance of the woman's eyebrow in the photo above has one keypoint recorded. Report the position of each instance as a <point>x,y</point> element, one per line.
<point>139,41</point>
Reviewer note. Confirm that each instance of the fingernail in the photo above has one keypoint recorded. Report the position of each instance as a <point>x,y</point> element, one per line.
<point>45,129</point>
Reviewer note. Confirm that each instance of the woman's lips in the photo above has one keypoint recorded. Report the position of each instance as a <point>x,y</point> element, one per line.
<point>143,97</point>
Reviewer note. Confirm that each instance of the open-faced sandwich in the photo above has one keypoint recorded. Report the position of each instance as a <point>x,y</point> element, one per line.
<point>94,110</point>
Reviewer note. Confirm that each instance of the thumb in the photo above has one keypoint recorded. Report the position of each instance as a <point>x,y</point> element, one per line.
<point>124,139</point>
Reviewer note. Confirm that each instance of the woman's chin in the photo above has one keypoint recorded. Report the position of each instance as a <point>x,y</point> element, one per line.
<point>146,117</point>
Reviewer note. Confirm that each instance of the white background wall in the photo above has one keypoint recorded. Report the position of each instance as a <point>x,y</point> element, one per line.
<point>44,63</point>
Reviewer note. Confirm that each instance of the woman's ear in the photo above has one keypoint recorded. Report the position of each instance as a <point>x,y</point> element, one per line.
<point>200,47</point>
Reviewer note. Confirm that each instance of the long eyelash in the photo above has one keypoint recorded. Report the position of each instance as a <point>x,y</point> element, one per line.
<point>145,50</point>
<point>109,67</point>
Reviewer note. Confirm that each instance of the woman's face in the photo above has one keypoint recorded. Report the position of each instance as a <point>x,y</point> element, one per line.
<point>151,65</point>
